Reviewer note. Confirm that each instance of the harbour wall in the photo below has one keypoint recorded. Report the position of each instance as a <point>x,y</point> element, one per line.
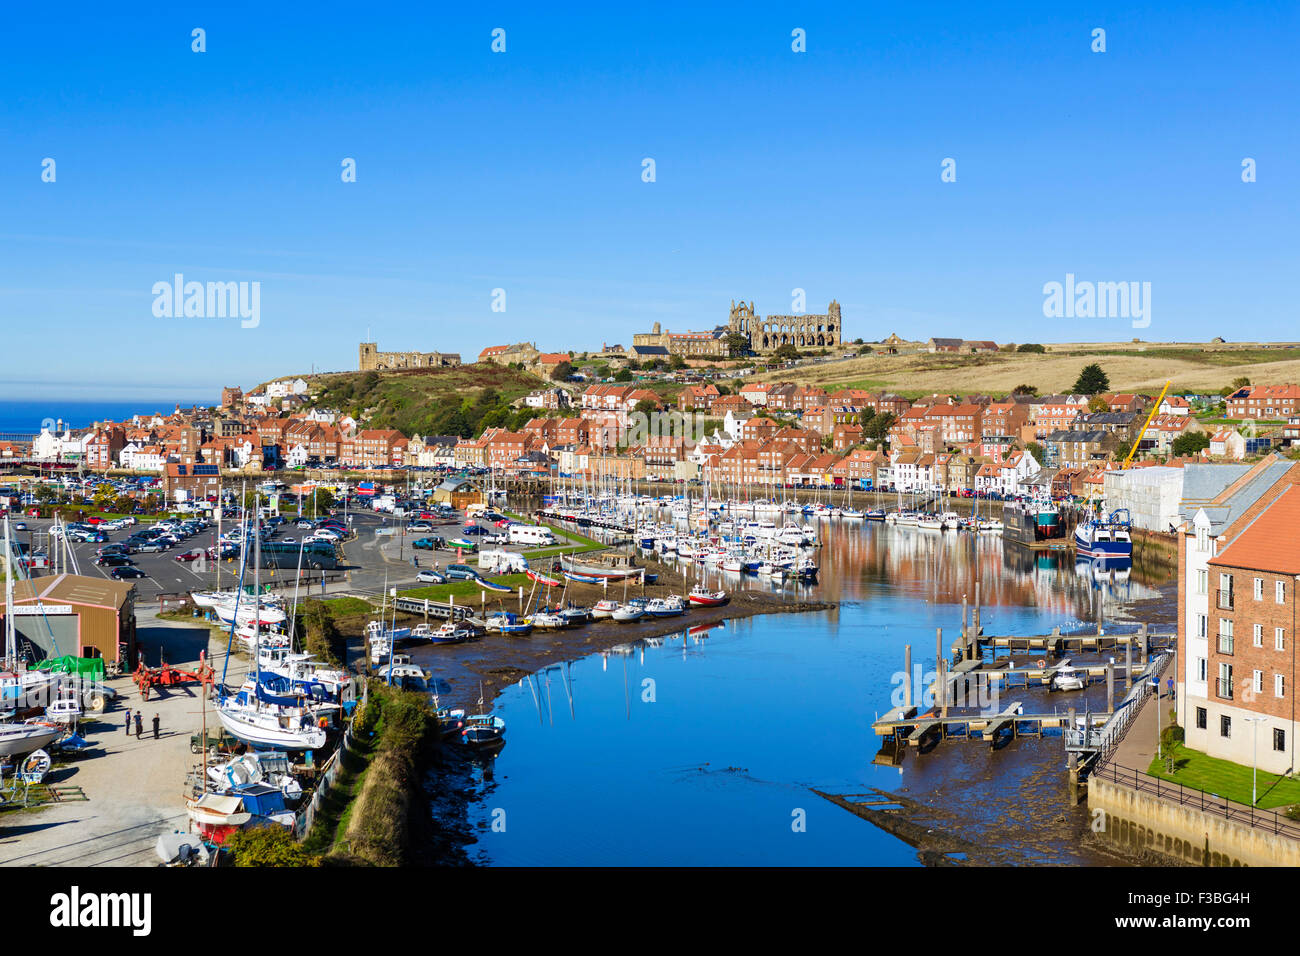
<point>1144,822</point>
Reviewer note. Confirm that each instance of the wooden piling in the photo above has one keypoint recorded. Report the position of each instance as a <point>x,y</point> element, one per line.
<point>1128,665</point>
<point>1110,686</point>
<point>907,670</point>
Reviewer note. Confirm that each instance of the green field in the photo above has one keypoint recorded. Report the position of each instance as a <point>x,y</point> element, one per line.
<point>1226,779</point>
<point>466,589</point>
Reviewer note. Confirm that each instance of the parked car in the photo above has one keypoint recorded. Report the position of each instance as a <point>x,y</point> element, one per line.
<point>193,555</point>
<point>429,576</point>
<point>113,561</point>
<point>153,547</point>
<point>20,526</point>
<point>419,527</point>
<point>122,574</point>
<point>429,544</point>
<point>473,529</point>
<point>461,572</point>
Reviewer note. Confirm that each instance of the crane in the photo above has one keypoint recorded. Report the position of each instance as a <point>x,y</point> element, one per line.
<point>1155,407</point>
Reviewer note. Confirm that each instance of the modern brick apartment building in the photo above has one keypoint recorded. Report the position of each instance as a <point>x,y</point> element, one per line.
<point>1239,565</point>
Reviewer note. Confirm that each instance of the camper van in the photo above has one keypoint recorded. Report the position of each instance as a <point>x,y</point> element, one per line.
<point>502,562</point>
<point>531,534</point>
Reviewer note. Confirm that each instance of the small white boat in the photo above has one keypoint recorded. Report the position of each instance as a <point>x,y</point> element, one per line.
<point>604,609</point>
<point>627,613</point>
<point>1067,678</point>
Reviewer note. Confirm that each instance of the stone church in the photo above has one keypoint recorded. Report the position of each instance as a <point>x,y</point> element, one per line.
<point>370,359</point>
<point>770,333</point>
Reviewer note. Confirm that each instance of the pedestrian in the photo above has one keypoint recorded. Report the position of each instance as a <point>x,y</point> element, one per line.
<point>155,726</point>
<point>139,723</point>
<point>128,721</point>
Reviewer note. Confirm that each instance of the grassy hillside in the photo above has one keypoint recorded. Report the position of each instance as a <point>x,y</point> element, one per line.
<point>437,401</point>
<point>1131,366</point>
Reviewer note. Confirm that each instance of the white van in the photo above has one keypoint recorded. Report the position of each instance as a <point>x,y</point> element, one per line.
<point>531,534</point>
<point>502,562</point>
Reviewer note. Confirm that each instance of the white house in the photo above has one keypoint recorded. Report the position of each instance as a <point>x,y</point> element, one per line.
<point>50,445</point>
<point>297,455</point>
<point>1228,443</point>
<point>142,457</point>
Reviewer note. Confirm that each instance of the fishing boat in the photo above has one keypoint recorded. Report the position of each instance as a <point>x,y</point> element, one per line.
<point>1108,537</point>
<point>575,614</point>
<point>875,514</point>
<point>450,720</point>
<point>451,632</point>
<point>483,730</point>
<point>508,623</point>
<point>670,606</point>
<point>402,672</point>
<point>604,609</point>
<point>703,597</point>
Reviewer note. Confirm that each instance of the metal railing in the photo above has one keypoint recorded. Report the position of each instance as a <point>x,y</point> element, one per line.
<point>306,815</point>
<point>1270,820</point>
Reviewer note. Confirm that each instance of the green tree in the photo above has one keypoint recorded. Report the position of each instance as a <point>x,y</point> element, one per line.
<point>878,427</point>
<point>1025,390</point>
<point>318,503</point>
<point>737,344</point>
<point>785,353</point>
<point>646,406</point>
<point>1190,443</point>
<point>1098,404</point>
<point>866,415</point>
<point>1240,381</point>
<point>1031,347</point>
<point>1036,450</point>
<point>677,363</point>
<point>623,375</point>
<point>561,372</point>
<point>1091,380</point>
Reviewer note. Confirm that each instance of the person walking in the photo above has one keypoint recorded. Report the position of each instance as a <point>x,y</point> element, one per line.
<point>155,726</point>
<point>139,723</point>
<point>128,721</point>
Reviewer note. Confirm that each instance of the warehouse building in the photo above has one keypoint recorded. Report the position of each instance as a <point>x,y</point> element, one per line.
<point>73,614</point>
<point>1152,495</point>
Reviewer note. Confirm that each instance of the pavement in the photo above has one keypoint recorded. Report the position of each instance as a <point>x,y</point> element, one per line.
<point>134,786</point>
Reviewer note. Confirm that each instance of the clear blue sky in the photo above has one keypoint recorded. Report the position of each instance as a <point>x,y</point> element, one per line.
<point>522,170</point>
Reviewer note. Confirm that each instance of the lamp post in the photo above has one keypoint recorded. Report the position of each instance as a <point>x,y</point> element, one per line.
<point>1254,759</point>
<point>1155,695</point>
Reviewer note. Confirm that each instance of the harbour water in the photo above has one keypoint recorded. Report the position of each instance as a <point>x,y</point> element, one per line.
<point>707,749</point>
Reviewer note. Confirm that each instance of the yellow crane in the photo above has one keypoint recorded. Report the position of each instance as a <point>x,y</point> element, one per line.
<point>1155,408</point>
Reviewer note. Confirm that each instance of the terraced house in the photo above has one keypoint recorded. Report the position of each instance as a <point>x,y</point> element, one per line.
<point>1264,402</point>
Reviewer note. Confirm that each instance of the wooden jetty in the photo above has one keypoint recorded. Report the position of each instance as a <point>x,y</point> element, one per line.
<point>907,725</point>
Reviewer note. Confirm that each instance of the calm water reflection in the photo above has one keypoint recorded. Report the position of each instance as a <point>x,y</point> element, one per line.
<point>701,749</point>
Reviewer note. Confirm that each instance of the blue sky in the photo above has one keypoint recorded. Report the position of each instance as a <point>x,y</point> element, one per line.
<point>522,171</point>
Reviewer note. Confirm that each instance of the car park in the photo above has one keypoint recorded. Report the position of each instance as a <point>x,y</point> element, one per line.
<point>122,574</point>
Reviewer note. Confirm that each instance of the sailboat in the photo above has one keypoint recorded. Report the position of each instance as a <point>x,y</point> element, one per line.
<point>17,740</point>
<point>483,729</point>
<point>257,716</point>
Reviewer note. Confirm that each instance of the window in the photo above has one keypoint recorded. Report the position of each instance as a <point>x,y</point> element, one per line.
<point>1259,635</point>
<point>1259,589</point>
<point>1279,685</point>
<point>1225,726</point>
<point>1202,539</point>
<point>1279,739</point>
<point>1202,625</point>
<point>1279,592</point>
<point>1201,672</point>
<point>1200,718</point>
<point>1279,639</point>
<point>1225,681</point>
<point>1257,682</point>
<point>1225,635</point>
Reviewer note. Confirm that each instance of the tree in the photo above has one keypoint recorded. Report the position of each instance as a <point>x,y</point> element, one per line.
<point>866,350</point>
<point>1190,443</point>
<point>319,502</point>
<point>1092,380</point>
<point>866,415</point>
<point>646,406</point>
<point>1025,390</point>
<point>878,427</point>
<point>1240,382</point>
<point>786,353</point>
<point>1031,347</point>
<point>737,344</point>
<point>1036,450</point>
<point>1098,404</point>
<point>623,375</point>
<point>561,372</point>
<point>677,363</point>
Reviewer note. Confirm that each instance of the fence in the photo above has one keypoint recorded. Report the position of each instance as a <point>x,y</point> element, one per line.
<point>1203,800</point>
<point>306,816</point>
